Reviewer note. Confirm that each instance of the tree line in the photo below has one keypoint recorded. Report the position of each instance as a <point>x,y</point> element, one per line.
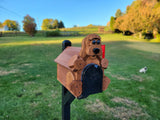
<point>51,24</point>
<point>142,16</point>
<point>11,24</point>
<point>29,25</point>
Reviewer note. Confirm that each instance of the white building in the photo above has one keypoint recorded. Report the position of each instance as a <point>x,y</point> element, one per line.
<point>4,28</point>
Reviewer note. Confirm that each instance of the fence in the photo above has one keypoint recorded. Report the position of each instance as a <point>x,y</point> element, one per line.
<point>43,33</point>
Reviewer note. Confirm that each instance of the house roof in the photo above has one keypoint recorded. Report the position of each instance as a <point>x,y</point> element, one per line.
<point>4,28</point>
<point>65,56</point>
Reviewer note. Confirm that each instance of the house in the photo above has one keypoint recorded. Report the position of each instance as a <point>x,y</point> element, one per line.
<point>4,28</point>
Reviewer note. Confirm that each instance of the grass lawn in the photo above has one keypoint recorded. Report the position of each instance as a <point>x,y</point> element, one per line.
<point>19,40</point>
<point>29,89</point>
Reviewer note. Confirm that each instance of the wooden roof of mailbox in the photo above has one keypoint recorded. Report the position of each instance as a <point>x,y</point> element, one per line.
<point>66,55</point>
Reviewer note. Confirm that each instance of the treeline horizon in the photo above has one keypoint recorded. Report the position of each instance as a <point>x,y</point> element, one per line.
<point>47,24</point>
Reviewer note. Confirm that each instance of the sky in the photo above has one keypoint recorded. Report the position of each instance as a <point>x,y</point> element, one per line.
<point>71,12</point>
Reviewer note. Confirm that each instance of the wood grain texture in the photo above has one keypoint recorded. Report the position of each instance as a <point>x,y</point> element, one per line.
<point>77,75</point>
<point>76,63</point>
<point>76,87</point>
<point>69,78</point>
<point>104,63</point>
<point>71,62</point>
<point>66,55</point>
<point>106,82</point>
<point>61,74</point>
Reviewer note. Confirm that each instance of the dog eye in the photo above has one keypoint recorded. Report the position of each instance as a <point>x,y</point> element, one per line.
<point>98,42</point>
<point>93,42</point>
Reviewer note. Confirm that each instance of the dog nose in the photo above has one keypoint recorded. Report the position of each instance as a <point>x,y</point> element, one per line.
<point>96,50</point>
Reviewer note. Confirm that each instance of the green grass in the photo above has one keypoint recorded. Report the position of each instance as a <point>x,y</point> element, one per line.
<point>19,40</point>
<point>29,89</point>
<point>85,28</point>
<point>74,31</point>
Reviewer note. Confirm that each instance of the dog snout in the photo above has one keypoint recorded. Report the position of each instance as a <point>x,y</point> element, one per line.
<point>96,50</point>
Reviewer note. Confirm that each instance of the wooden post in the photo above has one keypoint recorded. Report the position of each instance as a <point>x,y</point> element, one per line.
<point>67,97</point>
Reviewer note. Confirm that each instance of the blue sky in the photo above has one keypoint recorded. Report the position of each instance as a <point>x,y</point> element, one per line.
<point>71,12</point>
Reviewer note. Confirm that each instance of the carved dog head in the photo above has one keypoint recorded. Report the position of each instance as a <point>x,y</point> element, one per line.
<point>91,46</point>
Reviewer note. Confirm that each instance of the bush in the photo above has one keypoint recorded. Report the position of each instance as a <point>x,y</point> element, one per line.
<point>52,33</point>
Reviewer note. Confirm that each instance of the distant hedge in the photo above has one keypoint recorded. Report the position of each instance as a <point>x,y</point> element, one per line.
<point>12,34</point>
<point>52,33</point>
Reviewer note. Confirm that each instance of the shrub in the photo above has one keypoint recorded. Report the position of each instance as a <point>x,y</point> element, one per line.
<point>52,33</point>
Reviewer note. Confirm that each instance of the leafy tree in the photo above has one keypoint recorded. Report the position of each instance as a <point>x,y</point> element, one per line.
<point>90,25</point>
<point>112,22</point>
<point>127,9</point>
<point>118,13</point>
<point>61,25</point>
<point>108,24</point>
<point>142,15</point>
<point>55,24</point>
<point>47,24</point>
<point>1,24</point>
<point>11,24</point>
<point>51,24</point>
<point>29,25</point>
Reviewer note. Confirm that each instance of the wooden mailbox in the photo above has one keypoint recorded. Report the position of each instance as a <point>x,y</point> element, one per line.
<point>81,69</point>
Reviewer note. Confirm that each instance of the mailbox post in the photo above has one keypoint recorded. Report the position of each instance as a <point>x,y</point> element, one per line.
<point>80,70</point>
<point>67,97</point>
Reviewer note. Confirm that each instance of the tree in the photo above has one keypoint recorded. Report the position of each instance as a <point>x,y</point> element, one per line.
<point>141,16</point>
<point>118,13</point>
<point>55,24</point>
<point>108,24</point>
<point>51,24</point>
<point>127,8</point>
<point>11,24</point>
<point>47,24</point>
<point>90,25</point>
<point>112,22</point>
<point>61,25</point>
<point>29,25</point>
<point>1,24</point>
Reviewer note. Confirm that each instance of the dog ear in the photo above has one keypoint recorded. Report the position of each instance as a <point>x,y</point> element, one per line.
<point>83,48</point>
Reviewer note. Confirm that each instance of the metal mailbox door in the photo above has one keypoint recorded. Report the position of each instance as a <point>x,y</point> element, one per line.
<point>92,77</point>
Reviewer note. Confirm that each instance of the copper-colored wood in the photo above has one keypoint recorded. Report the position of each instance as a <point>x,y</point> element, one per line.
<point>76,63</point>
<point>87,46</point>
<point>69,78</point>
<point>76,87</point>
<point>94,60</point>
<point>61,74</point>
<point>106,82</point>
<point>104,63</point>
<point>66,55</point>
<point>72,60</point>
<point>78,75</point>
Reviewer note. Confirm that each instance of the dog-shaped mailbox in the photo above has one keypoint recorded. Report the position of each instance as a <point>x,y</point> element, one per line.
<point>81,70</point>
